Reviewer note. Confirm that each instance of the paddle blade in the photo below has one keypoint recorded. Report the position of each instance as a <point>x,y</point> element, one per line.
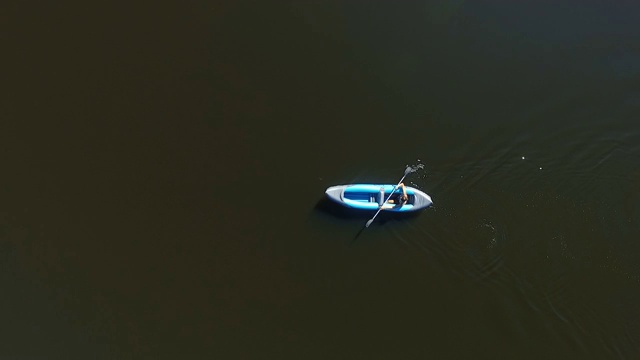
<point>368,223</point>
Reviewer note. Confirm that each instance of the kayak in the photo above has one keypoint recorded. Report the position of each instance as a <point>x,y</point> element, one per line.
<point>372,196</point>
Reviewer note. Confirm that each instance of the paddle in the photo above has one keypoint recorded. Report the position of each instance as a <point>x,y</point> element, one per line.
<point>406,172</point>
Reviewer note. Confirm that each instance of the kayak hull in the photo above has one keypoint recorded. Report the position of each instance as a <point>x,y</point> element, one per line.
<point>371,196</point>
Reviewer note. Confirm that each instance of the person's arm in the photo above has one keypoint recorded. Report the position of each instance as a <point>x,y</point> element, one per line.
<point>404,190</point>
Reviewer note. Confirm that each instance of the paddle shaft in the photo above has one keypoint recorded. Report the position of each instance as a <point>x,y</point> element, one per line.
<point>387,199</point>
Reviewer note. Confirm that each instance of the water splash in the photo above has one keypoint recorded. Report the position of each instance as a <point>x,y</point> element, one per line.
<point>417,167</point>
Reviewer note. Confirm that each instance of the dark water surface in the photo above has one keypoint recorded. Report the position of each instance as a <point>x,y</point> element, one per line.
<point>163,170</point>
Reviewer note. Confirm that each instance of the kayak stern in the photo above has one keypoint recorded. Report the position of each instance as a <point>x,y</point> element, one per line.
<point>335,193</point>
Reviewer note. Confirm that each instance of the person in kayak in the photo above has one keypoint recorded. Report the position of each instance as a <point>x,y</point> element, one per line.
<point>399,201</point>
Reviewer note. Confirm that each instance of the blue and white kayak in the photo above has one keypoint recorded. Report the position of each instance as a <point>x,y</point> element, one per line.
<point>372,196</point>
